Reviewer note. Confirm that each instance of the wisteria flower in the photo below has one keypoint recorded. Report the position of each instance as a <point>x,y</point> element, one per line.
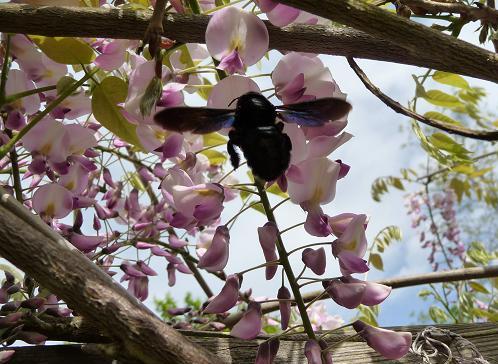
<point>236,38</point>
<point>321,319</point>
<point>390,344</point>
<point>228,89</point>
<point>250,324</point>
<point>227,298</point>
<point>298,78</point>
<point>267,238</point>
<point>216,256</point>
<point>52,201</point>
<point>18,82</point>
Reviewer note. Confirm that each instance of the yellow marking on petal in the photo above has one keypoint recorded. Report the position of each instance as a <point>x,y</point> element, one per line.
<point>50,210</point>
<point>207,192</point>
<point>70,185</point>
<point>160,135</point>
<point>45,150</point>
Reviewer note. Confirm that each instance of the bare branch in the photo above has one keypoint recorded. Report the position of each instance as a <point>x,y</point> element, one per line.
<point>28,243</point>
<point>416,38</point>
<point>396,106</point>
<point>470,13</point>
<point>461,58</point>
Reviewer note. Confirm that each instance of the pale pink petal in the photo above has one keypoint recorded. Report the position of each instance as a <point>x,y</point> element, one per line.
<point>113,54</point>
<point>249,326</point>
<point>76,179</point>
<point>350,263</point>
<point>52,200</point>
<point>17,81</point>
<point>321,177</point>
<point>322,146</point>
<point>48,137</point>
<point>375,293</point>
<point>233,29</point>
<point>390,344</point>
<point>227,298</point>
<point>317,223</point>
<point>232,63</point>
<point>216,257</point>
<point>80,138</point>
<point>86,243</point>
<point>228,89</point>
<point>353,239</point>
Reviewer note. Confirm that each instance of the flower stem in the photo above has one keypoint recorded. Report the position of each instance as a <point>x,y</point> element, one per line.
<point>267,264</point>
<point>308,245</point>
<point>284,261</point>
<point>16,178</point>
<point>241,211</point>
<point>20,95</point>
<point>291,227</point>
<point>38,117</point>
<point>328,332</point>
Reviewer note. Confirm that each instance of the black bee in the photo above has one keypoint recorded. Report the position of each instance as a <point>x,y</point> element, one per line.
<point>255,130</point>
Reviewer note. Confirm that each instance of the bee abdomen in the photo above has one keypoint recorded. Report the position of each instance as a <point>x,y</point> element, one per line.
<point>267,151</point>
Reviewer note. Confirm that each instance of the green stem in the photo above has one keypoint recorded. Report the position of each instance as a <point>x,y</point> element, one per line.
<point>284,261</point>
<point>194,6</point>
<point>308,245</point>
<point>65,93</point>
<point>291,227</point>
<point>264,265</point>
<point>241,211</point>
<point>20,95</point>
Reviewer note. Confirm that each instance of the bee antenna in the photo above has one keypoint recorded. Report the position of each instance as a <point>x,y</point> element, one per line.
<point>231,102</point>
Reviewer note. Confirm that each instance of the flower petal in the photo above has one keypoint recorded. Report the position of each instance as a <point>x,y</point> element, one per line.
<point>249,325</point>
<point>216,257</point>
<point>227,298</point>
<point>315,260</point>
<point>390,344</point>
<point>267,238</point>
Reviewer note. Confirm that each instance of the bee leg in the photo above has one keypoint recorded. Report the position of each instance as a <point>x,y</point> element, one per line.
<point>280,126</point>
<point>234,156</point>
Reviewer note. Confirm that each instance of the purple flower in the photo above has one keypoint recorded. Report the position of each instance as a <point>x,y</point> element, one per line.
<point>315,260</point>
<point>389,344</point>
<point>267,351</point>
<point>227,298</point>
<point>216,257</point>
<point>249,325</point>
<point>285,306</point>
<point>267,238</point>
<point>236,38</point>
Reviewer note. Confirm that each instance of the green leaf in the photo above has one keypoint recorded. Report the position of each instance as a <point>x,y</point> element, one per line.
<point>376,261</point>
<point>380,186</point>
<point>440,117</point>
<point>275,189</point>
<point>440,98</point>
<point>63,83</point>
<point>259,207</point>
<point>212,139</point>
<point>136,182</point>
<point>105,98</point>
<point>425,293</point>
<point>204,92</point>
<point>215,157</point>
<point>478,287</point>
<point>387,236</point>
<point>437,315</point>
<point>450,79</point>
<point>447,143</point>
<point>65,50</point>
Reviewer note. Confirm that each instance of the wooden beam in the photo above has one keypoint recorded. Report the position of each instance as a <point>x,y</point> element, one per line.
<point>483,335</point>
<point>456,56</point>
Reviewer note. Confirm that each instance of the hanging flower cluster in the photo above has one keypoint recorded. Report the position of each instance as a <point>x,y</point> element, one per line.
<point>91,162</point>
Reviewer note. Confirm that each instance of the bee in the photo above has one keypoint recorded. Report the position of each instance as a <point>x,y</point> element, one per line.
<point>255,129</point>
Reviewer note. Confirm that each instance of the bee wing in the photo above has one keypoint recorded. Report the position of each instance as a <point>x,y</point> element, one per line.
<point>198,120</point>
<point>314,113</point>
